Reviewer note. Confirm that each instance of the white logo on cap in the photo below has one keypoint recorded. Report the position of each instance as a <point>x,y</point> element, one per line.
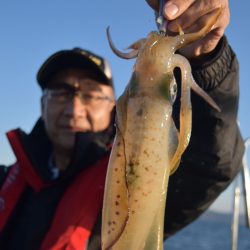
<point>107,69</point>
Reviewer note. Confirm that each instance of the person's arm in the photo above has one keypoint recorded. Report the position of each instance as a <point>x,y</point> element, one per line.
<point>213,157</point>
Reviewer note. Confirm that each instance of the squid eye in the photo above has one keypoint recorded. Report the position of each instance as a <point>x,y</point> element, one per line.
<point>173,90</point>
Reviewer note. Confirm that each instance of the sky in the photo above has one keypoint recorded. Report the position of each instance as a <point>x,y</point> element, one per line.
<point>31,30</point>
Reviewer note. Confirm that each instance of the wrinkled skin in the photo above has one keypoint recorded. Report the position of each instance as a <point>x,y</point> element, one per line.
<point>147,146</point>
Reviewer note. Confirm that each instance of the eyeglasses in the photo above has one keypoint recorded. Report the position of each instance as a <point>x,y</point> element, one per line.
<point>62,96</point>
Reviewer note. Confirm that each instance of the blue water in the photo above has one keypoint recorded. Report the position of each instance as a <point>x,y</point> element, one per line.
<point>208,235</point>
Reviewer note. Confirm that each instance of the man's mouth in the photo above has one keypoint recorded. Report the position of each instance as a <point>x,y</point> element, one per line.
<point>72,129</point>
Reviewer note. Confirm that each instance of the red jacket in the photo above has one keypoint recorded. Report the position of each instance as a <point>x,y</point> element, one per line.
<point>68,230</point>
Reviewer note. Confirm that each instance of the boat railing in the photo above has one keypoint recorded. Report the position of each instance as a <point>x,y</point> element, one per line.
<point>244,191</point>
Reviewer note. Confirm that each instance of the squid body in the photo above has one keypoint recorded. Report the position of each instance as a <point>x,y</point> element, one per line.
<point>147,146</point>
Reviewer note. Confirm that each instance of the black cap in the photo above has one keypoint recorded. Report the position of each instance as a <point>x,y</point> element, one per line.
<point>74,58</point>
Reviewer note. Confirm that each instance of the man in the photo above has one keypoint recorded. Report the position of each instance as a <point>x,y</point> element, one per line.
<point>52,197</point>
<point>75,130</point>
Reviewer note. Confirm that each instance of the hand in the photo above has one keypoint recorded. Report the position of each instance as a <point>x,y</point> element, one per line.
<point>192,15</point>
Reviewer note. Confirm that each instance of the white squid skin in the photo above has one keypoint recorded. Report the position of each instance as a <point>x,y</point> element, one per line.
<point>147,147</point>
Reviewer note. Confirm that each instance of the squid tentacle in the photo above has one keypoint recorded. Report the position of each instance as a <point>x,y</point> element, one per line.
<point>185,109</point>
<point>130,55</point>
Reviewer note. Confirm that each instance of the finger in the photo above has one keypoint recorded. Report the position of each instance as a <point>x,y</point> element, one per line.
<point>197,24</point>
<point>174,8</point>
<point>202,22</point>
<point>195,18</point>
<point>203,46</point>
<point>209,42</point>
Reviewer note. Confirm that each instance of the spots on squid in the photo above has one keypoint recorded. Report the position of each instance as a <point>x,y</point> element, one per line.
<point>112,226</point>
<point>139,112</point>
<point>149,181</point>
<point>113,223</point>
<point>118,155</point>
<point>145,193</point>
<point>118,182</point>
<point>131,172</point>
<point>116,169</point>
<point>157,156</point>
<point>117,213</point>
<point>146,153</point>
<point>131,168</point>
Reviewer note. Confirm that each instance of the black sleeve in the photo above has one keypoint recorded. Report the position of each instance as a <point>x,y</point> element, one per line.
<point>213,157</point>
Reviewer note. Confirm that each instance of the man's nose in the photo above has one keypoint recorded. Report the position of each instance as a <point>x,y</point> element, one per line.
<point>75,107</point>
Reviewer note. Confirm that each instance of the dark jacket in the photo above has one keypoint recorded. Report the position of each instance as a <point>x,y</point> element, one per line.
<point>213,157</point>
<point>211,161</point>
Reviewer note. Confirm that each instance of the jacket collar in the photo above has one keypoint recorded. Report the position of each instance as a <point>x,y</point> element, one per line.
<point>37,147</point>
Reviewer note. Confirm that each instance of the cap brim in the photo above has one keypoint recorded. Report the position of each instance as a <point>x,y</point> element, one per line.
<point>68,59</point>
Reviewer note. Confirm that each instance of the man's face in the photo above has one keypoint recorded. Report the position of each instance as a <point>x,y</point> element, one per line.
<point>75,102</point>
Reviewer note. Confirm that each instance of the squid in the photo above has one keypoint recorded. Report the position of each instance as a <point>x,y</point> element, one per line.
<point>148,147</point>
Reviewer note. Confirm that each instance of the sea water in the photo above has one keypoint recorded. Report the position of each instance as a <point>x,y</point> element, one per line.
<point>209,233</point>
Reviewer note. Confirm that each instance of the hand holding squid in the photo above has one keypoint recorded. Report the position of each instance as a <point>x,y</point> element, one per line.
<point>192,15</point>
